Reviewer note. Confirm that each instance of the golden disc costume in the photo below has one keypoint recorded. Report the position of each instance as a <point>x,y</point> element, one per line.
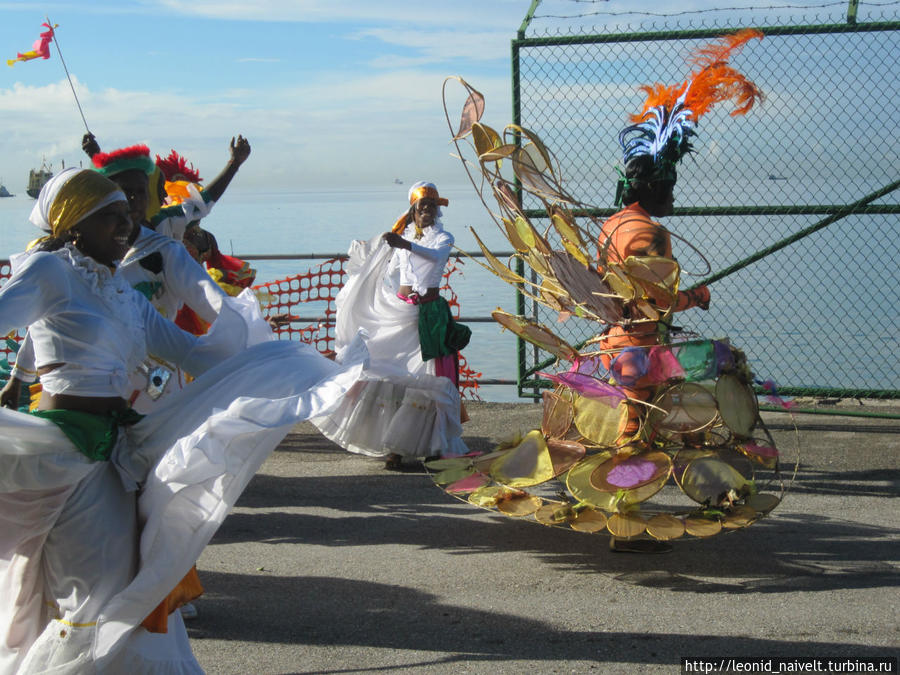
<point>648,433</point>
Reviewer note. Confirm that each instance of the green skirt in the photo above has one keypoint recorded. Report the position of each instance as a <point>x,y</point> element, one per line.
<point>439,333</point>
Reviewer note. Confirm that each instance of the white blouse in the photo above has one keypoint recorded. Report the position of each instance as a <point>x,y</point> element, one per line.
<point>180,281</point>
<point>422,267</point>
<point>82,315</point>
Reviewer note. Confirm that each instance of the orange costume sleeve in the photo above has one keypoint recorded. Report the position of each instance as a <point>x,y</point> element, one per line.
<point>631,232</point>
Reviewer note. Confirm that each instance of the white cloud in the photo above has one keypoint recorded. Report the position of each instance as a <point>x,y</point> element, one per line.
<point>357,129</point>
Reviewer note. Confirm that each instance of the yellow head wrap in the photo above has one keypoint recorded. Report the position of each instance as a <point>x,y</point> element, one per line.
<point>70,197</point>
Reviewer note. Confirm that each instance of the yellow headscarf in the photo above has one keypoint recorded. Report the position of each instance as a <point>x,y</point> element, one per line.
<point>71,196</point>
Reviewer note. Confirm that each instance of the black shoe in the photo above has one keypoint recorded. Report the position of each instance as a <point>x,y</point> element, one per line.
<point>638,546</point>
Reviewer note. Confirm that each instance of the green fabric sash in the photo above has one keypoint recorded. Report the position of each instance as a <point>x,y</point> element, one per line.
<point>94,435</point>
<point>439,333</point>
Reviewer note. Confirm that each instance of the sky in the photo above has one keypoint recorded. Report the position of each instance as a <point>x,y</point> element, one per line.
<point>329,92</point>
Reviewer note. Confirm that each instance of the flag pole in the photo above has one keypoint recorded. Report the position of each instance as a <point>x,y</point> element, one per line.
<point>63,61</point>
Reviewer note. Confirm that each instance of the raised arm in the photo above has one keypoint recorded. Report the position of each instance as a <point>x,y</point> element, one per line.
<point>440,250</point>
<point>240,151</point>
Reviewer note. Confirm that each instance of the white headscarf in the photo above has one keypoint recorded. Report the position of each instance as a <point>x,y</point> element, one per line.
<point>40,214</point>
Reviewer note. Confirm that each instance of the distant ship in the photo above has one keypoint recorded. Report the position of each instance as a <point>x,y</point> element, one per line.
<point>397,181</point>
<point>37,179</point>
<point>772,176</point>
<point>3,191</point>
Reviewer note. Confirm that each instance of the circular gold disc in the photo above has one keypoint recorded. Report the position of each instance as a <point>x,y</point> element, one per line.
<point>553,513</point>
<point>629,473</point>
<point>486,496</point>
<point>564,454</point>
<point>588,520</point>
<point>737,404</point>
<point>763,502</point>
<point>558,414</point>
<point>688,407</point>
<point>664,527</point>
<point>578,480</point>
<point>625,525</point>
<point>519,506</point>
<point>710,480</point>
<point>599,423</point>
<point>738,517</point>
<point>702,527</point>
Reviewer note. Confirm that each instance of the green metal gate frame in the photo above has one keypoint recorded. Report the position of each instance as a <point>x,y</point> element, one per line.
<point>528,384</point>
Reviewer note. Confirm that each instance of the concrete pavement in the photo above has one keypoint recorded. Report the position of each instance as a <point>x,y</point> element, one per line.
<point>329,564</point>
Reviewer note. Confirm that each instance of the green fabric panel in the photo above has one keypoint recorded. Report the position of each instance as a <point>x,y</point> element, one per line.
<point>697,359</point>
<point>93,435</point>
<point>148,288</point>
<point>439,334</point>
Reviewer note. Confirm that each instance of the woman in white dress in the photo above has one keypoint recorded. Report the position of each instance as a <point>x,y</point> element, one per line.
<point>408,405</point>
<point>83,559</point>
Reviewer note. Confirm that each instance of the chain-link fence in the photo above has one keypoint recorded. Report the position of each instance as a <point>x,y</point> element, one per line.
<point>794,206</point>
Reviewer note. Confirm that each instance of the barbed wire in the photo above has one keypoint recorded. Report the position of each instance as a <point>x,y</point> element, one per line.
<point>825,5</point>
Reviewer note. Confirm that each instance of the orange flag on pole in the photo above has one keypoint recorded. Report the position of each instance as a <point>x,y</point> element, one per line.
<point>39,50</point>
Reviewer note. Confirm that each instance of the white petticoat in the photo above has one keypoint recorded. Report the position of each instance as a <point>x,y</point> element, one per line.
<point>194,456</point>
<point>400,406</point>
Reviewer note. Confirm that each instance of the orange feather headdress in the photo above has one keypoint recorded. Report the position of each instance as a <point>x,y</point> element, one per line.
<point>667,121</point>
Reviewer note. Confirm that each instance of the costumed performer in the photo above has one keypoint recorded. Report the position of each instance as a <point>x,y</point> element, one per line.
<point>409,406</point>
<point>161,268</point>
<point>652,145</point>
<point>157,264</point>
<point>76,577</point>
<point>642,405</point>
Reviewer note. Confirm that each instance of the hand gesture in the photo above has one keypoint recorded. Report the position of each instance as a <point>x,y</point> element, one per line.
<point>240,150</point>
<point>89,144</point>
<point>700,296</point>
<point>394,240</point>
<point>10,394</point>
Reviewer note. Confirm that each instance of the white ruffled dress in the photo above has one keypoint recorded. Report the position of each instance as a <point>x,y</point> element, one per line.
<point>83,558</point>
<point>400,406</point>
